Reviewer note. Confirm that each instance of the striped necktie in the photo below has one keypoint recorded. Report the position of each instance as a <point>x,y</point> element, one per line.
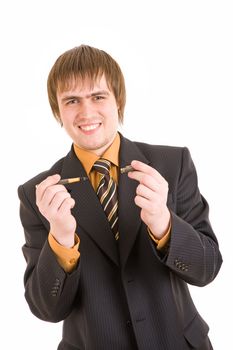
<point>107,194</point>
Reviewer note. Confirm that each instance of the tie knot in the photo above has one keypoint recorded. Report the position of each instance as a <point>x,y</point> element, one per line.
<point>102,166</point>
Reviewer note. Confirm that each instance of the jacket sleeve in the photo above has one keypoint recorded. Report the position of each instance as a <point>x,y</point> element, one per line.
<point>193,252</point>
<point>49,290</point>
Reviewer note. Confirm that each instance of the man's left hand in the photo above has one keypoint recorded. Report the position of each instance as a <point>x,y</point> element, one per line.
<point>151,197</point>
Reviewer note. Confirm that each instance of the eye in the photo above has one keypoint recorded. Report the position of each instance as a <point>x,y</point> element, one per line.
<point>72,101</point>
<point>98,97</point>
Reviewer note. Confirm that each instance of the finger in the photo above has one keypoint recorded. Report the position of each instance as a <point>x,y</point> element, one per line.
<point>52,210</point>
<point>49,181</point>
<point>144,179</point>
<point>66,206</point>
<point>146,169</point>
<point>50,192</point>
<point>143,203</point>
<point>50,204</point>
<point>145,192</point>
<point>58,199</point>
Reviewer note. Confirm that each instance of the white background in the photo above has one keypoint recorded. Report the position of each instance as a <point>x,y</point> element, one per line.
<point>177,58</point>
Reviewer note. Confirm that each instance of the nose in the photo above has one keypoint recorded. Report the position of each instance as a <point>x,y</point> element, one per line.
<point>85,109</point>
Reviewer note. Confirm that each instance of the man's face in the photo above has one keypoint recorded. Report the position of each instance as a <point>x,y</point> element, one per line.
<point>89,115</point>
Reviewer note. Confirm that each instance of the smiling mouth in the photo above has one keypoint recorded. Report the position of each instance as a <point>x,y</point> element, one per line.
<point>89,127</point>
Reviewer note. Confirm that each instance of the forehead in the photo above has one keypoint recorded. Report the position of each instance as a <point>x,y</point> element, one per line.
<point>86,84</point>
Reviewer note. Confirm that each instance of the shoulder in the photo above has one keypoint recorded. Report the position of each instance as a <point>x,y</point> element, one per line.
<point>164,154</point>
<point>151,150</point>
<point>162,157</point>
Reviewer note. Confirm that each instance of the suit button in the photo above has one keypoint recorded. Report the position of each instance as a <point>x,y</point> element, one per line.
<point>129,323</point>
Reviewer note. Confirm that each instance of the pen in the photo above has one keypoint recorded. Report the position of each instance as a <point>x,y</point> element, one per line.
<point>126,169</point>
<point>70,180</point>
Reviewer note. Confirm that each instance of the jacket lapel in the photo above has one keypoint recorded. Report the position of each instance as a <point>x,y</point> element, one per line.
<point>129,213</point>
<point>88,211</point>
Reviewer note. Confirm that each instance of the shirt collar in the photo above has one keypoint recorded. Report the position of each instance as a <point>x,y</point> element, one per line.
<point>88,158</point>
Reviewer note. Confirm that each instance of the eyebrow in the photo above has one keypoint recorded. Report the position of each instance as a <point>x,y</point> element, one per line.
<point>96,93</point>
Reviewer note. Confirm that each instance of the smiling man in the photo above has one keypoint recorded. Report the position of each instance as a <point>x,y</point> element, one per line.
<point>112,257</point>
<point>89,114</point>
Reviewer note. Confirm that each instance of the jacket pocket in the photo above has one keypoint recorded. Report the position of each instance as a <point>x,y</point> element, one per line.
<point>196,332</point>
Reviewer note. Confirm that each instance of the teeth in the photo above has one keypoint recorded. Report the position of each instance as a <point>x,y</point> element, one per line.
<point>89,127</point>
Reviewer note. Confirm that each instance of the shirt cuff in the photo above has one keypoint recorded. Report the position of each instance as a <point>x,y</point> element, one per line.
<point>66,257</point>
<point>163,242</point>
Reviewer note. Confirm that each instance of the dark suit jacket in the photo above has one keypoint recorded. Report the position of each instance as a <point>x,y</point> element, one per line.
<point>124,296</point>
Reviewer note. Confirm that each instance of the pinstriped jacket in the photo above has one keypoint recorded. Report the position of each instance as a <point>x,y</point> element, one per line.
<point>124,296</point>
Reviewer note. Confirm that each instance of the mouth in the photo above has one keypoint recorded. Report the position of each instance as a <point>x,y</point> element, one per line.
<point>89,128</point>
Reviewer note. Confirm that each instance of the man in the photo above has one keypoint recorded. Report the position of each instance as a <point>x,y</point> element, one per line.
<point>117,279</point>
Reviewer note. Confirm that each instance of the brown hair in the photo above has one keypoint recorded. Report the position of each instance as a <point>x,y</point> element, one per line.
<point>85,62</point>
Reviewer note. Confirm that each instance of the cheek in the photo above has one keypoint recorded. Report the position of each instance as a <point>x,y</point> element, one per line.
<point>112,114</point>
<point>66,116</point>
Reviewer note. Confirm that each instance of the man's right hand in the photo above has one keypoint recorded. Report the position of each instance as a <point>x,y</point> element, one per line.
<point>55,204</point>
